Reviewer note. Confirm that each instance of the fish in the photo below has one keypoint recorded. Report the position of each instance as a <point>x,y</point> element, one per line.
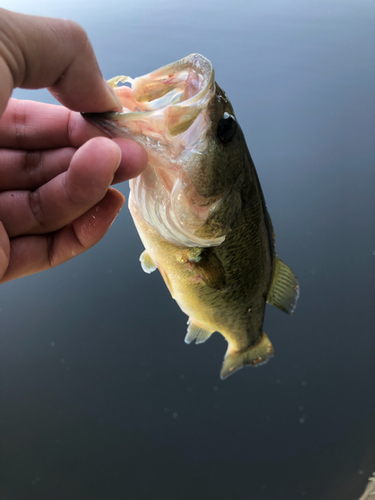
<point>199,208</point>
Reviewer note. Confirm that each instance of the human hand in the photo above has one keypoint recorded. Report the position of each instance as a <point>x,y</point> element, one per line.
<point>55,168</point>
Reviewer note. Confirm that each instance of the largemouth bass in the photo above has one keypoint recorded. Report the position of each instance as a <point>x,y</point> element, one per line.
<point>199,207</point>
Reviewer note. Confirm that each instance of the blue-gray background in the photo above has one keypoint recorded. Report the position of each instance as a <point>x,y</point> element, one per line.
<point>100,397</point>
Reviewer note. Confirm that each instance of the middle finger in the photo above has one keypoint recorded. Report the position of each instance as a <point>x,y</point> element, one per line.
<point>65,197</point>
<point>31,169</point>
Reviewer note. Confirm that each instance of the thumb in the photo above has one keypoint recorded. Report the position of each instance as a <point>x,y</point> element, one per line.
<point>37,52</point>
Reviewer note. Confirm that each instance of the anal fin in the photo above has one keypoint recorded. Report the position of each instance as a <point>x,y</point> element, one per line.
<point>148,265</point>
<point>255,355</point>
<point>197,333</point>
<point>284,291</point>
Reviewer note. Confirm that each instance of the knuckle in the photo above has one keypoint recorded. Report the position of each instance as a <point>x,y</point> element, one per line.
<point>11,42</point>
<point>78,34</point>
<point>33,166</point>
<point>50,251</point>
<point>20,123</point>
<point>71,127</point>
<point>36,208</point>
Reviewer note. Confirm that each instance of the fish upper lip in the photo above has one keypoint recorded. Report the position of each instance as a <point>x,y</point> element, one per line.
<point>164,92</point>
<point>161,84</point>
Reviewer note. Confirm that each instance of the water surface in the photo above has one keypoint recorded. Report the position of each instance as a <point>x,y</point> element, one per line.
<point>100,397</point>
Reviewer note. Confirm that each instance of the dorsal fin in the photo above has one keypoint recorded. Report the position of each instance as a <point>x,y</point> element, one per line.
<point>284,290</point>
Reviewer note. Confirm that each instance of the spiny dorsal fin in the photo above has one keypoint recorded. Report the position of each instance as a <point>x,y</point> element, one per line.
<point>255,355</point>
<point>284,290</point>
<point>148,265</point>
<point>196,332</point>
<point>210,269</point>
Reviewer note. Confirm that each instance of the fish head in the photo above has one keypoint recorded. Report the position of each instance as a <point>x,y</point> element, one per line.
<point>194,144</point>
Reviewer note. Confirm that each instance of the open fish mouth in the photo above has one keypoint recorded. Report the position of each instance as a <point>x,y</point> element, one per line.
<point>161,104</point>
<point>168,112</point>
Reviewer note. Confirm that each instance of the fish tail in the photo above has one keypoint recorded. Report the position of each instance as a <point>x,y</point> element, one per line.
<point>255,355</point>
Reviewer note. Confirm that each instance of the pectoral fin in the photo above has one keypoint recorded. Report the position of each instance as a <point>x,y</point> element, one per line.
<point>210,269</point>
<point>148,265</point>
<point>197,333</point>
<point>255,355</point>
<point>284,290</point>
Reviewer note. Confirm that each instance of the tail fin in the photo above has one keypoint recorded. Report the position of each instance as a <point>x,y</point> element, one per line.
<point>255,355</point>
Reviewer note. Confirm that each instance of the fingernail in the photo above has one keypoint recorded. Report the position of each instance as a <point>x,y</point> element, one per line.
<point>117,101</point>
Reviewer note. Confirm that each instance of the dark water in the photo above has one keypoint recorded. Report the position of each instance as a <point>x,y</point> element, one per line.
<point>100,397</point>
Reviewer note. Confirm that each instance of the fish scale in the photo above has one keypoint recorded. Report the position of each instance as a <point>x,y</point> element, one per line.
<point>207,229</point>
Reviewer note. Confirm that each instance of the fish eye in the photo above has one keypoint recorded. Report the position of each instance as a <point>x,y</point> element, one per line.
<point>227,128</point>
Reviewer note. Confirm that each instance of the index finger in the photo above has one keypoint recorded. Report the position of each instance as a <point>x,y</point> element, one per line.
<point>38,52</point>
<point>35,125</point>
